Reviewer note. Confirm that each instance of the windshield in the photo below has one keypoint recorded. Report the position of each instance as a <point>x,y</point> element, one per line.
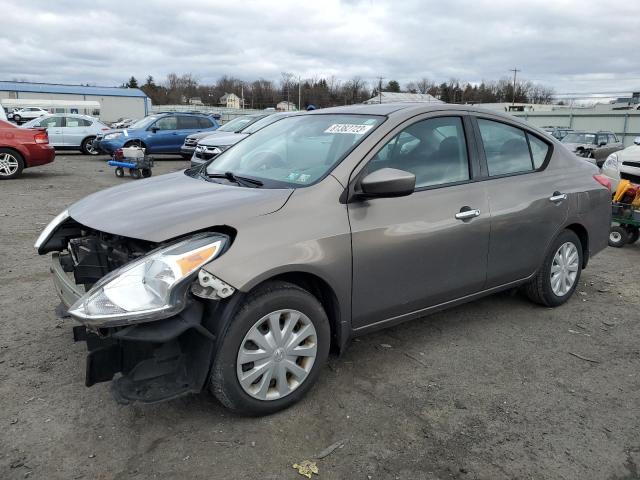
<point>145,122</point>
<point>579,138</point>
<point>237,124</point>
<point>295,151</point>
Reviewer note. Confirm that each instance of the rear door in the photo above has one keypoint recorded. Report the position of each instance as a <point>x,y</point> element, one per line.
<point>76,129</point>
<point>418,251</point>
<point>55,129</point>
<point>528,201</point>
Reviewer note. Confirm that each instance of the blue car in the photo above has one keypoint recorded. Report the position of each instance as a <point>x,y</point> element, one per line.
<point>158,133</point>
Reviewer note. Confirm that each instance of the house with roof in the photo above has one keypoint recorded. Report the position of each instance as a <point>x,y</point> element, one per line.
<point>230,100</point>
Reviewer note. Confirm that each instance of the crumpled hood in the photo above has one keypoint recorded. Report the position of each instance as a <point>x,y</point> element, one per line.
<point>164,207</point>
<point>574,146</point>
<point>218,140</point>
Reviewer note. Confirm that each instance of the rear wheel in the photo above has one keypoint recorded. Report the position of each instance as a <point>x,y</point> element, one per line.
<point>618,236</point>
<point>146,172</point>
<point>634,234</point>
<point>559,274</point>
<point>11,164</point>
<point>119,172</point>
<point>273,351</point>
<point>135,173</point>
<point>87,147</point>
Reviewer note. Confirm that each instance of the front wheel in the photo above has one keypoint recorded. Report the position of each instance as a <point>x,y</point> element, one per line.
<point>559,274</point>
<point>273,351</point>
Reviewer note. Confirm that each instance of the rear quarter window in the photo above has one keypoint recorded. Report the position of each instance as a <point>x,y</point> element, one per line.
<point>539,150</point>
<point>505,148</point>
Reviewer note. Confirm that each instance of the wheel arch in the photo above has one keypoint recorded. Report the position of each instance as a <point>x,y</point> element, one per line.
<point>583,235</point>
<point>24,155</point>
<point>325,294</point>
<point>142,142</point>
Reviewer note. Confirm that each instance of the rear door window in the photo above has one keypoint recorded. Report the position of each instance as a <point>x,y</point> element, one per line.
<point>51,122</point>
<point>204,122</point>
<point>505,147</point>
<point>187,122</point>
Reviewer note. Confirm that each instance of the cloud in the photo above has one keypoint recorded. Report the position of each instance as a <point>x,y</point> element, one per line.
<point>573,46</point>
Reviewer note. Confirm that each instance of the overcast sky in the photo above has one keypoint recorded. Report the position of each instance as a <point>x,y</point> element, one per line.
<point>572,46</point>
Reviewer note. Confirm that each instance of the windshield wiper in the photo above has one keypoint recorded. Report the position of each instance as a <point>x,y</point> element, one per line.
<point>244,181</point>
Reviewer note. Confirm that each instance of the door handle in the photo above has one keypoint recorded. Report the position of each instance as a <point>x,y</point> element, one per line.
<point>466,213</point>
<point>557,197</point>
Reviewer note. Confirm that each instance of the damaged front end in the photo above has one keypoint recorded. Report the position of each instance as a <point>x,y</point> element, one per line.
<point>149,315</point>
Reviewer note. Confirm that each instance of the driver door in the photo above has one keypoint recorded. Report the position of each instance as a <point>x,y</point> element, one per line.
<point>164,138</point>
<point>418,251</point>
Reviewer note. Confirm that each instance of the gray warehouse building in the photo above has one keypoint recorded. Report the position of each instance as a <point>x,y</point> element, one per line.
<point>107,103</point>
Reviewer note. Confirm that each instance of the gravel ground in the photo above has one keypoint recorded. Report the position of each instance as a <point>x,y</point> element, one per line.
<point>495,389</point>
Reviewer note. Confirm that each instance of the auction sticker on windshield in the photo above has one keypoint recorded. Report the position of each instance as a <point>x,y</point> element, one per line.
<point>351,128</point>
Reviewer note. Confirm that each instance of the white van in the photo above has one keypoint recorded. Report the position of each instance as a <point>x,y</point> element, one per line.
<point>3,114</point>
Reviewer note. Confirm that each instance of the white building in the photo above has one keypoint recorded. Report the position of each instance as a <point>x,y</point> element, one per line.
<point>230,100</point>
<point>107,103</point>
<point>393,97</point>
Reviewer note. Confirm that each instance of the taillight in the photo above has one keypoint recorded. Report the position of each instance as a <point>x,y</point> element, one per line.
<point>41,137</point>
<point>105,129</point>
<point>603,180</point>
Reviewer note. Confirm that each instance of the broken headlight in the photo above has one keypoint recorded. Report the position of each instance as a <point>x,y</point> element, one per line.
<point>150,288</point>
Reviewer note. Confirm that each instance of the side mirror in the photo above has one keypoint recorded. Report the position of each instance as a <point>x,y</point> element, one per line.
<point>388,182</point>
<point>602,144</point>
<point>636,140</point>
<point>154,129</point>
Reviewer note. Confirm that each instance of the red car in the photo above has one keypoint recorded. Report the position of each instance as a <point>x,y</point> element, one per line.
<point>22,148</point>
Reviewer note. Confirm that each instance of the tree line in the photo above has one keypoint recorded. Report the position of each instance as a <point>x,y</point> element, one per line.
<point>326,92</point>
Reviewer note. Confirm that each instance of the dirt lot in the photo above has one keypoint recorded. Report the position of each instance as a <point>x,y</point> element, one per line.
<point>489,390</point>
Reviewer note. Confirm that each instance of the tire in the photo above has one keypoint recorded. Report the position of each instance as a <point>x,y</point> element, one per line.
<point>146,172</point>
<point>289,303</point>
<point>545,291</point>
<point>17,119</point>
<point>11,164</point>
<point>618,236</point>
<point>119,172</point>
<point>135,173</point>
<point>88,148</point>
<point>135,143</point>
<point>634,234</point>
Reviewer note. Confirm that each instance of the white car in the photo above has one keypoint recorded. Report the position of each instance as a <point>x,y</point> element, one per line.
<point>27,113</point>
<point>70,131</point>
<point>624,164</point>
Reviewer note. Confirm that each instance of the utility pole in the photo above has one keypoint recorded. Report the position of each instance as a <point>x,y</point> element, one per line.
<point>380,89</point>
<point>515,72</point>
<point>242,94</point>
<point>299,95</point>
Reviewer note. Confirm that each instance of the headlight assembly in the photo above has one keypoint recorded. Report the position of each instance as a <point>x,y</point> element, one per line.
<point>612,162</point>
<point>150,288</point>
<point>49,229</point>
<point>111,136</point>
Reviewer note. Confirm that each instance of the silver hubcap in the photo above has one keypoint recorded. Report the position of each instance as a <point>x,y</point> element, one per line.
<point>277,354</point>
<point>91,147</point>
<point>564,269</point>
<point>615,237</point>
<point>8,164</point>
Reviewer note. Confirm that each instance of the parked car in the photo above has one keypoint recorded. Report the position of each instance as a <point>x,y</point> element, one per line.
<point>595,146</point>
<point>71,131</point>
<point>3,114</point>
<point>22,148</point>
<point>28,113</point>
<point>158,133</point>
<point>241,276</point>
<point>122,123</point>
<point>216,143</point>
<point>624,164</point>
<point>236,125</point>
<point>557,132</point>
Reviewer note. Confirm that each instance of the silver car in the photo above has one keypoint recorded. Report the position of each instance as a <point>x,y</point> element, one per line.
<point>239,277</point>
<point>624,164</point>
<point>68,131</point>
